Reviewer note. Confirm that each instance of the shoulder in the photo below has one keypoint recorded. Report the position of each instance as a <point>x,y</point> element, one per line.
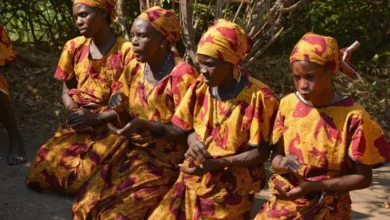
<point>75,44</point>
<point>259,88</point>
<point>123,44</point>
<point>183,68</point>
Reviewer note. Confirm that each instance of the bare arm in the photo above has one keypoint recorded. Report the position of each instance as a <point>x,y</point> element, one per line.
<point>66,99</point>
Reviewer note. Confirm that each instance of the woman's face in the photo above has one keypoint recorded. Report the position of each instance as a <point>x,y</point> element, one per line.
<point>311,80</point>
<point>146,41</point>
<point>214,70</point>
<point>88,20</point>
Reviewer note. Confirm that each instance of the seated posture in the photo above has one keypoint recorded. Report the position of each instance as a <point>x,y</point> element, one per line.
<point>90,67</point>
<point>325,143</point>
<point>16,153</point>
<point>230,116</point>
<point>138,172</point>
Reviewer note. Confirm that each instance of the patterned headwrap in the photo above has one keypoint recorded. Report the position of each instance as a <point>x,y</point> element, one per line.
<point>325,51</point>
<point>164,21</point>
<point>108,5</point>
<point>225,41</point>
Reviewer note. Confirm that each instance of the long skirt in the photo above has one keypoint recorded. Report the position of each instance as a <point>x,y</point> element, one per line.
<point>65,162</point>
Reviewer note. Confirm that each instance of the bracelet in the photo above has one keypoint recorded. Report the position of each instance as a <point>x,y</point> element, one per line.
<point>160,130</point>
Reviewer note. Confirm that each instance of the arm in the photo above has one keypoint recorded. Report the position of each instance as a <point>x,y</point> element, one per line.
<point>170,132</point>
<point>66,99</point>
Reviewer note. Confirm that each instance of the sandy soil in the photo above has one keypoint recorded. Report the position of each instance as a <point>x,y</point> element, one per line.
<point>17,202</point>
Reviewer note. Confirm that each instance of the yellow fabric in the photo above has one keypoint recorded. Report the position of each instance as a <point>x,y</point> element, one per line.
<point>7,55</point>
<point>225,41</point>
<point>66,160</point>
<point>96,78</point>
<point>141,170</point>
<point>183,203</point>
<point>324,51</point>
<point>249,122</point>
<point>325,140</point>
<point>164,21</point>
<point>108,5</point>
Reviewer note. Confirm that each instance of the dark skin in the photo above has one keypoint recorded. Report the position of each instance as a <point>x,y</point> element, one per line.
<point>315,83</point>
<point>16,153</point>
<point>219,74</point>
<point>387,203</point>
<point>152,48</point>
<point>92,23</point>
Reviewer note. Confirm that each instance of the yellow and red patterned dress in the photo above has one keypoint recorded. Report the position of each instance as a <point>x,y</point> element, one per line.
<point>66,160</point>
<point>138,172</point>
<point>326,140</point>
<point>7,55</point>
<point>229,193</point>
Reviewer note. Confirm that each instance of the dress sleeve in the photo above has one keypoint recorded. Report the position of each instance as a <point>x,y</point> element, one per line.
<point>7,54</point>
<point>183,77</point>
<point>65,68</point>
<point>367,141</point>
<point>265,111</point>
<point>184,114</point>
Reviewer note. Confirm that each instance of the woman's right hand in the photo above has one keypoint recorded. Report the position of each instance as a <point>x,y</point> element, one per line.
<point>197,150</point>
<point>118,102</point>
<point>289,163</point>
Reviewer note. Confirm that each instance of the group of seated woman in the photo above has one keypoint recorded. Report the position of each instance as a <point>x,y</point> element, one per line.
<point>147,138</point>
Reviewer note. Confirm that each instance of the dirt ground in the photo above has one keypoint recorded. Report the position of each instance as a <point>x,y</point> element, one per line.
<point>17,202</point>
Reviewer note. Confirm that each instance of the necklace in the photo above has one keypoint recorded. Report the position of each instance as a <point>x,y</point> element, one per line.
<point>145,95</point>
<point>304,101</point>
<point>218,123</point>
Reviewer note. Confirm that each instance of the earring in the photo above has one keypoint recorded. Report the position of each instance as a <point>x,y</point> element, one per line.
<point>162,46</point>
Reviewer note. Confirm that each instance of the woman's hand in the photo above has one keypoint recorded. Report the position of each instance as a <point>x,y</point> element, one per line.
<point>118,102</point>
<point>197,150</point>
<point>298,192</point>
<point>82,117</point>
<point>128,129</point>
<point>289,163</point>
<point>387,203</point>
<point>209,165</point>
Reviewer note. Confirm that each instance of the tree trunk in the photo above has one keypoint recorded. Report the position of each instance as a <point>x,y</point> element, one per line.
<point>188,34</point>
<point>121,19</point>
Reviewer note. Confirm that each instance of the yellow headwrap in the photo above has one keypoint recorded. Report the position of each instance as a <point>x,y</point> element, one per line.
<point>324,51</point>
<point>108,5</point>
<point>164,21</point>
<point>7,54</point>
<point>225,41</point>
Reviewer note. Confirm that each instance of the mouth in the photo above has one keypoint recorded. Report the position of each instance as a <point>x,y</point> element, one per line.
<point>83,30</point>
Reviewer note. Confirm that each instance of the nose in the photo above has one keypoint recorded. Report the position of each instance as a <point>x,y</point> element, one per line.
<point>303,84</point>
<point>79,22</point>
<point>134,40</point>
<point>203,69</point>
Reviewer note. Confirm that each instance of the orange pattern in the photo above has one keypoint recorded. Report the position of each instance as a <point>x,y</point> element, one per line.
<point>324,51</point>
<point>66,160</point>
<point>164,21</point>
<point>7,55</point>
<point>108,5</point>
<point>225,41</point>
<point>248,123</point>
<point>138,172</point>
<point>324,140</point>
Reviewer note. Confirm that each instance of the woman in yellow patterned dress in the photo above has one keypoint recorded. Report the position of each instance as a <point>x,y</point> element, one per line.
<point>230,116</point>
<point>16,153</point>
<point>325,143</point>
<point>139,172</point>
<point>90,67</point>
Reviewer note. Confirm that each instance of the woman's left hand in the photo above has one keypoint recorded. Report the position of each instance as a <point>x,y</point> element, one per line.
<point>82,117</point>
<point>128,129</point>
<point>298,192</point>
<point>207,166</point>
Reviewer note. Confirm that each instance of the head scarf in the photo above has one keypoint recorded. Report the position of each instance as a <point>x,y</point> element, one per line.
<point>225,41</point>
<point>325,51</point>
<point>108,5</point>
<point>164,21</point>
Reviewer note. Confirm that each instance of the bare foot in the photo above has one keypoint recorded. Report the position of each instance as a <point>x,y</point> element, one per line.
<point>16,153</point>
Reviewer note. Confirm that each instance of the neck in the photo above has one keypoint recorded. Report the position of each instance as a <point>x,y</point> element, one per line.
<point>227,87</point>
<point>104,37</point>
<point>159,61</point>
<point>326,98</point>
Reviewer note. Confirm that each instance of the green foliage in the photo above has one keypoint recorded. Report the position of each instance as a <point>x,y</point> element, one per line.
<point>364,20</point>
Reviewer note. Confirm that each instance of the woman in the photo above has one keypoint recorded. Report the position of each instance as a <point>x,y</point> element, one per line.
<point>229,114</point>
<point>89,67</point>
<point>16,153</point>
<point>326,144</point>
<point>138,172</point>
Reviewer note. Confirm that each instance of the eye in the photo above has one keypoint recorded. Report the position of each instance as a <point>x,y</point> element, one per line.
<point>83,14</point>
<point>296,77</point>
<point>310,77</point>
